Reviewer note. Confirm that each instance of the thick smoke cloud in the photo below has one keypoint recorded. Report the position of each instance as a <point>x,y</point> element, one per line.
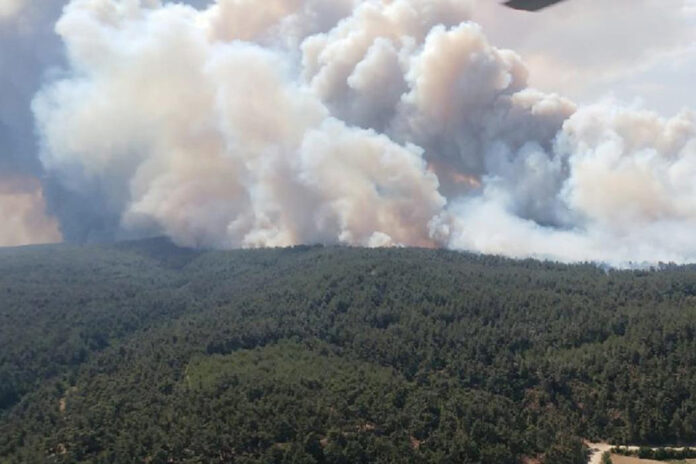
<point>214,141</point>
<point>627,191</point>
<point>30,54</point>
<point>363,122</point>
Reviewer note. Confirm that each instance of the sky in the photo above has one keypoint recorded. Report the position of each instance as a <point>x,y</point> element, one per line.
<point>642,50</point>
<point>566,134</point>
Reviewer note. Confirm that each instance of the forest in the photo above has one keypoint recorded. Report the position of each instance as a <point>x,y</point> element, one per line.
<point>143,352</point>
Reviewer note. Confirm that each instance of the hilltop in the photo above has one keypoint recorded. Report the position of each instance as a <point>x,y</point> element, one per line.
<point>146,352</point>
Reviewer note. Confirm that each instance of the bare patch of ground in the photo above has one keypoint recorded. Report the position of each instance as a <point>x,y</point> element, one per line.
<point>415,443</point>
<point>63,402</point>
<point>597,450</point>
<point>529,460</point>
<point>618,459</point>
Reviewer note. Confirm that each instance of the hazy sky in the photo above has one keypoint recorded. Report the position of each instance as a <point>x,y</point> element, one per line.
<point>588,49</point>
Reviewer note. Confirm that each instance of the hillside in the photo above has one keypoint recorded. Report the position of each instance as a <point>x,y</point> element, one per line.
<point>144,352</point>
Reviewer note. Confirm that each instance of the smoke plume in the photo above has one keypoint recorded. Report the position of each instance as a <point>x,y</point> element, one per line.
<point>28,49</point>
<point>360,122</point>
<point>22,211</point>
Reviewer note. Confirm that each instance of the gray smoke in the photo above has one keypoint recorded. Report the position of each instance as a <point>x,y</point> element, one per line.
<point>362,122</point>
<point>29,50</point>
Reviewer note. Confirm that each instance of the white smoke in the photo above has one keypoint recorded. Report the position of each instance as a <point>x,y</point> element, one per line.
<point>363,122</point>
<point>627,191</point>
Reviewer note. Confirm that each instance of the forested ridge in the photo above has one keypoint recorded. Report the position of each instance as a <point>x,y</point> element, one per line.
<point>145,352</point>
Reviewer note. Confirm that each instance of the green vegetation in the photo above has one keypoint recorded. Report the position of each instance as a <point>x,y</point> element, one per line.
<point>144,352</point>
<point>657,454</point>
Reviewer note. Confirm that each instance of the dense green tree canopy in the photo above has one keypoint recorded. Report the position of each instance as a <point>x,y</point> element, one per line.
<point>144,352</point>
